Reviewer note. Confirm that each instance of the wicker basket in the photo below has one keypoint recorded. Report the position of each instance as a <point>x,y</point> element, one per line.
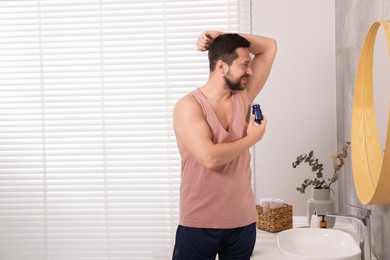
<point>274,220</point>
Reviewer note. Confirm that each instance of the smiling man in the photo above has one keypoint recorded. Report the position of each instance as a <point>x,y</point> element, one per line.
<point>214,133</point>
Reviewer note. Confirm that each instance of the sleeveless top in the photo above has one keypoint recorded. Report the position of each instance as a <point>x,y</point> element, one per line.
<point>222,197</point>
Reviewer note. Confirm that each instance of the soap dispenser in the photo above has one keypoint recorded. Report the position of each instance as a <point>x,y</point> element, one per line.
<point>323,223</point>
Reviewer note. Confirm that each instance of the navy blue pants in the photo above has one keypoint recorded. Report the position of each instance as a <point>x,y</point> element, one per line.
<point>206,243</point>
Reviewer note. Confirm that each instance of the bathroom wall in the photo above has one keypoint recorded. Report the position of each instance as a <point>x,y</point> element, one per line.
<point>299,99</point>
<point>353,19</point>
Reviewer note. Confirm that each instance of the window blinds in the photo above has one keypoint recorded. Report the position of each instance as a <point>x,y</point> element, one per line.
<point>89,168</point>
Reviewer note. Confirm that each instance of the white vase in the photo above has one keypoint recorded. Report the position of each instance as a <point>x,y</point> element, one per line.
<point>321,202</point>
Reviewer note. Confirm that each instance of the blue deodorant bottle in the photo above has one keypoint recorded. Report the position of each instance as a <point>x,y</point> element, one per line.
<point>257,112</point>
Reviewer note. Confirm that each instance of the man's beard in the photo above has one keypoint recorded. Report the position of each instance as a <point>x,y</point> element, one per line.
<point>234,85</point>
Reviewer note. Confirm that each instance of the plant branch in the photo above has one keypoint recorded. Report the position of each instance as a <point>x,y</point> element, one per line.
<point>319,181</point>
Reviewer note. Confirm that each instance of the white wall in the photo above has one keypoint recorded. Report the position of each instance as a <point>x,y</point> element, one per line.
<point>299,99</point>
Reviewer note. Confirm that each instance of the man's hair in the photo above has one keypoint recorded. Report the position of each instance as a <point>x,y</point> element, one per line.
<point>224,48</point>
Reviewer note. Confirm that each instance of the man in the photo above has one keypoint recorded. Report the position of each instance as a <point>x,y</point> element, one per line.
<point>214,131</point>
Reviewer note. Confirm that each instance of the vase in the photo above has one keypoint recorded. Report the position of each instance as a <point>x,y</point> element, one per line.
<point>321,203</point>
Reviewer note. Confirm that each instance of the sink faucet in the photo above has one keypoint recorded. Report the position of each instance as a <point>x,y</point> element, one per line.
<point>364,230</point>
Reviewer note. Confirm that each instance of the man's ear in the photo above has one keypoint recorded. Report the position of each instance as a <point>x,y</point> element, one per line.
<point>221,66</point>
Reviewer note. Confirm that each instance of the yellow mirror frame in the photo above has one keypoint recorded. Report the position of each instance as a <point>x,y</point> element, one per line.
<point>371,169</point>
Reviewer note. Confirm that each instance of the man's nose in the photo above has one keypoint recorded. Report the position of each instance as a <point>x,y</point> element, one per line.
<point>249,71</point>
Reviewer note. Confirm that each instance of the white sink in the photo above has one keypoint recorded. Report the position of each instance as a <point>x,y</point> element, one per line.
<point>317,244</point>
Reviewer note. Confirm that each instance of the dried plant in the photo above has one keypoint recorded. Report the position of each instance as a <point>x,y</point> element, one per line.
<point>319,182</point>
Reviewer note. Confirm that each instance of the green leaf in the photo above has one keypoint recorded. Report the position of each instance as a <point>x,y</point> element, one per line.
<point>311,162</point>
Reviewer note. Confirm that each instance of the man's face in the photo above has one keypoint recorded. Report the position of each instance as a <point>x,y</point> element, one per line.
<point>239,71</point>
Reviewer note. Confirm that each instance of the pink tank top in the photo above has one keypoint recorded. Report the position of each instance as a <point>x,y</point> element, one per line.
<point>223,197</point>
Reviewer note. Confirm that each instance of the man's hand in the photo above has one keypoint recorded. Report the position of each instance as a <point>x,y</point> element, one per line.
<point>205,39</point>
<point>254,130</point>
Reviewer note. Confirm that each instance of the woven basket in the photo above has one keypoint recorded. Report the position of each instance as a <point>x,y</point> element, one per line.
<point>274,220</point>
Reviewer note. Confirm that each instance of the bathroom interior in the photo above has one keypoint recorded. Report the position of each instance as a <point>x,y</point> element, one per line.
<point>314,97</point>
<point>308,101</point>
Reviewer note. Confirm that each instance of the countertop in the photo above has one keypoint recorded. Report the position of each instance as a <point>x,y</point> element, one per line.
<point>266,247</point>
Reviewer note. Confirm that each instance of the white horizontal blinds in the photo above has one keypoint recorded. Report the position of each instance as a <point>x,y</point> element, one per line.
<point>137,138</point>
<point>89,167</point>
<point>22,187</point>
<point>75,149</point>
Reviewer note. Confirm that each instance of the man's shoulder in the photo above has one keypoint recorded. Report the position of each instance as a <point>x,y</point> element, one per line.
<point>187,99</point>
<point>187,102</point>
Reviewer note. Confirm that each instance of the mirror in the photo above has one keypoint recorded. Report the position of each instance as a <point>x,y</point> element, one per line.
<point>381,81</point>
<point>370,162</point>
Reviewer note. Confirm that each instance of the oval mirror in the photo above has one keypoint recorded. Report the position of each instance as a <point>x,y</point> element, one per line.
<point>370,155</point>
<point>381,81</point>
